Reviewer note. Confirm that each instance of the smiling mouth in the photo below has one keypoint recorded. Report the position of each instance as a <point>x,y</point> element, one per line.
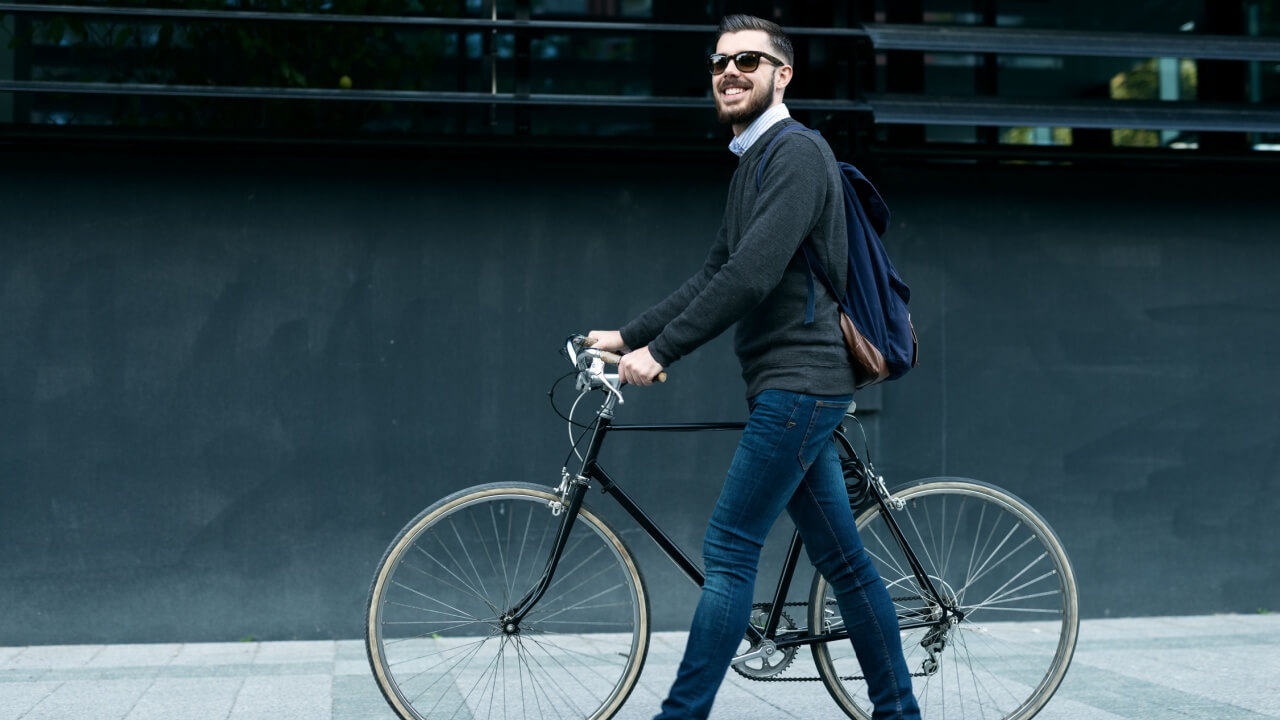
<point>733,91</point>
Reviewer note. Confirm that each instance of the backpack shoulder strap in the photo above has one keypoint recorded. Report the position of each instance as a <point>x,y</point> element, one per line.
<point>768,149</point>
<point>810,258</point>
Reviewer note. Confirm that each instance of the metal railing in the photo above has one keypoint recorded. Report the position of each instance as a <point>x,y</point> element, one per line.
<point>884,109</point>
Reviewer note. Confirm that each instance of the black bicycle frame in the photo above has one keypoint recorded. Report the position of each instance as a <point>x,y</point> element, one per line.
<point>592,471</point>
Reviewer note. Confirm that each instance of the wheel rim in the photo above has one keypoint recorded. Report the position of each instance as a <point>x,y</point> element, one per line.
<point>441,643</point>
<point>1010,579</point>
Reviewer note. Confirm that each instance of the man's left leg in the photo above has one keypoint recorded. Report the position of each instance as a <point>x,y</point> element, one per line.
<point>783,436</point>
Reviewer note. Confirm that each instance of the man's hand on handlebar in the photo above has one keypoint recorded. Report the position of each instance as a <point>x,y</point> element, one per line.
<point>610,340</point>
<point>639,368</point>
<point>634,367</point>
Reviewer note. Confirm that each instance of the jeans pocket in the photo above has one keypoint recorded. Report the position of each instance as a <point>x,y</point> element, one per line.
<point>824,420</point>
<point>776,409</point>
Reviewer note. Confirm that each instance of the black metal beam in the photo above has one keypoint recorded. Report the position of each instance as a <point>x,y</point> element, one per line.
<point>406,96</point>
<point>159,15</point>
<point>884,36</point>
<point>1018,41</point>
<point>577,147</point>
<point>1204,117</point>
<point>887,109</point>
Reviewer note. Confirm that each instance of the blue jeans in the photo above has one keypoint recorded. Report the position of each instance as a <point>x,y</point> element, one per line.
<point>786,459</point>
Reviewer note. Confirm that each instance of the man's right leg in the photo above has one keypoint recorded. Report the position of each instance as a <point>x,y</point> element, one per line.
<point>820,510</point>
<point>762,479</point>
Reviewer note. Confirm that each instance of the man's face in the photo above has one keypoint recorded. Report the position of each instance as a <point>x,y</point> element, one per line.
<point>743,97</point>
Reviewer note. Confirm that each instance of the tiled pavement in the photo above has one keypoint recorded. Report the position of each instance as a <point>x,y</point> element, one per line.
<point>1221,667</point>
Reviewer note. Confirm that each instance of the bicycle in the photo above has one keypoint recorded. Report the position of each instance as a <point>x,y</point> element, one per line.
<point>515,600</point>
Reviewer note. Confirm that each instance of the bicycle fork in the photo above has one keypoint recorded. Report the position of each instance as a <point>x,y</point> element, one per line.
<point>571,490</point>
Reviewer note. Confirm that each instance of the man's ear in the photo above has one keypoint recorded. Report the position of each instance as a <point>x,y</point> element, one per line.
<point>783,78</point>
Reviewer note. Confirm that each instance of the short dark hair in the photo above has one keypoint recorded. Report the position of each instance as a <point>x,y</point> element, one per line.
<point>738,23</point>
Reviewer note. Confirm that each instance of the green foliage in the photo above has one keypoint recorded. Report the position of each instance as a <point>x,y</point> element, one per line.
<point>1143,83</point>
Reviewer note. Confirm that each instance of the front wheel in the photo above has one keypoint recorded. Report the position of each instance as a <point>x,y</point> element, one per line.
<point>437,639</point>
<point>996,560</point>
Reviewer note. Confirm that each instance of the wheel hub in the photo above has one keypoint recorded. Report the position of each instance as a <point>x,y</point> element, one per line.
<point>509,625</point>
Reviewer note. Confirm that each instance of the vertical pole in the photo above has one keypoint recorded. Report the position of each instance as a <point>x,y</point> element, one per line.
<point>904,70</point>
<point>1223,80</point>
<point>1255,67</point>
<point>1170,82</point>
<point>988,74</point>
<point>524,67</point>
<point>862,79</point>
<point>491,50</point>
<point>7,66</point>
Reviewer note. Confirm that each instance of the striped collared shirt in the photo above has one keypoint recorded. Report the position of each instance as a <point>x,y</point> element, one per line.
<point>742,143</point>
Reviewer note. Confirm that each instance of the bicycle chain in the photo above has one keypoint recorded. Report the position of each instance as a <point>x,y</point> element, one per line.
<point>767,606</point>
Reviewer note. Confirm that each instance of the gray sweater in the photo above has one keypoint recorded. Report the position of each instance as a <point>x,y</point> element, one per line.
<point>755,276</point>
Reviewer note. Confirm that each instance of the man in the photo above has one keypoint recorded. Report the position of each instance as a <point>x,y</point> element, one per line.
<point>799,381</point>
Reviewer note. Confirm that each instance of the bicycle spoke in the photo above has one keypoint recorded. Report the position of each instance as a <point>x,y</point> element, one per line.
<point>986,565</point>
<point>492,663</point>
<point>429,633</point>
<point>468,590</point>
<point>524,541</point>
<point>576,650</point>
<point>506,578</point>
<point>557,598</point>
<point>579,604</point>
<point>986,554</point>
<point>1044,611</point>
<point>462,544</point>
<point>416,658</point>
<point>974,552</point>
<point>521,654</point>
<point>888,559</point>
<point>482,592</point>
<point>928,519</point>
<point>955,532</point>
<point>485,547</point>
<point>426,610</point>
<point>551,678</point>
<point>987,673</point>
<point>589,666</point>
<point>465,663</point>
<point>1006,598</point>
<point>434,600</point>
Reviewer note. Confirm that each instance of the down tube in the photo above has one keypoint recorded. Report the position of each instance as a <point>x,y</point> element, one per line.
<point>668,546</point>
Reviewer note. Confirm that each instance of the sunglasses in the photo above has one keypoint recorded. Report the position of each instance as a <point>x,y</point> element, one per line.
<point>746,61</point>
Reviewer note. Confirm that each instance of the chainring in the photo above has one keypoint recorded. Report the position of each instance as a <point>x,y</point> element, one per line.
<point>763,668</point>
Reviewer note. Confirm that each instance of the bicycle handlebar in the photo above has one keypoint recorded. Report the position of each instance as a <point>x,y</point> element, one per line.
<point>613,358</point>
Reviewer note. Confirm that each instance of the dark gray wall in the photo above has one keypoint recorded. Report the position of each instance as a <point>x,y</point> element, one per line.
<point>226,382</point>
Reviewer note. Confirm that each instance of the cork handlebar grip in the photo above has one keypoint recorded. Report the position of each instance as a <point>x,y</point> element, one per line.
<point>614,359</point>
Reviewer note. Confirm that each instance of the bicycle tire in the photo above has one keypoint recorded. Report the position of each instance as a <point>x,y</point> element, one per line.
<point>433,635</point>
<point>1013,580</point>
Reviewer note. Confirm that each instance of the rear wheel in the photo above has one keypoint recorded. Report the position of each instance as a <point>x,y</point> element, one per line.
<point>997,560</point>
<point>437,639</point>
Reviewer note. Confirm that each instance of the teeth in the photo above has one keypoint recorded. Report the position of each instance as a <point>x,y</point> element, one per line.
<point>734,91</point>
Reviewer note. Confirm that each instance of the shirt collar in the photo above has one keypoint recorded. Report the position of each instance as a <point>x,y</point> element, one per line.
<point>742,143</point>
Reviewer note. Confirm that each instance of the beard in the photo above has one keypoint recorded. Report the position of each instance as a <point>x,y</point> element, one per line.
<point>747,112</point>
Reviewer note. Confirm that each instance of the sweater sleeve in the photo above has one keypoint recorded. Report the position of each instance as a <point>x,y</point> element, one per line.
<point>788,206</point>
<point>642,330</point>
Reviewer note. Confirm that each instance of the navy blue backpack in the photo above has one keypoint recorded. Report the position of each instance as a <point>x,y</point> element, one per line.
<point>874,319</point>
